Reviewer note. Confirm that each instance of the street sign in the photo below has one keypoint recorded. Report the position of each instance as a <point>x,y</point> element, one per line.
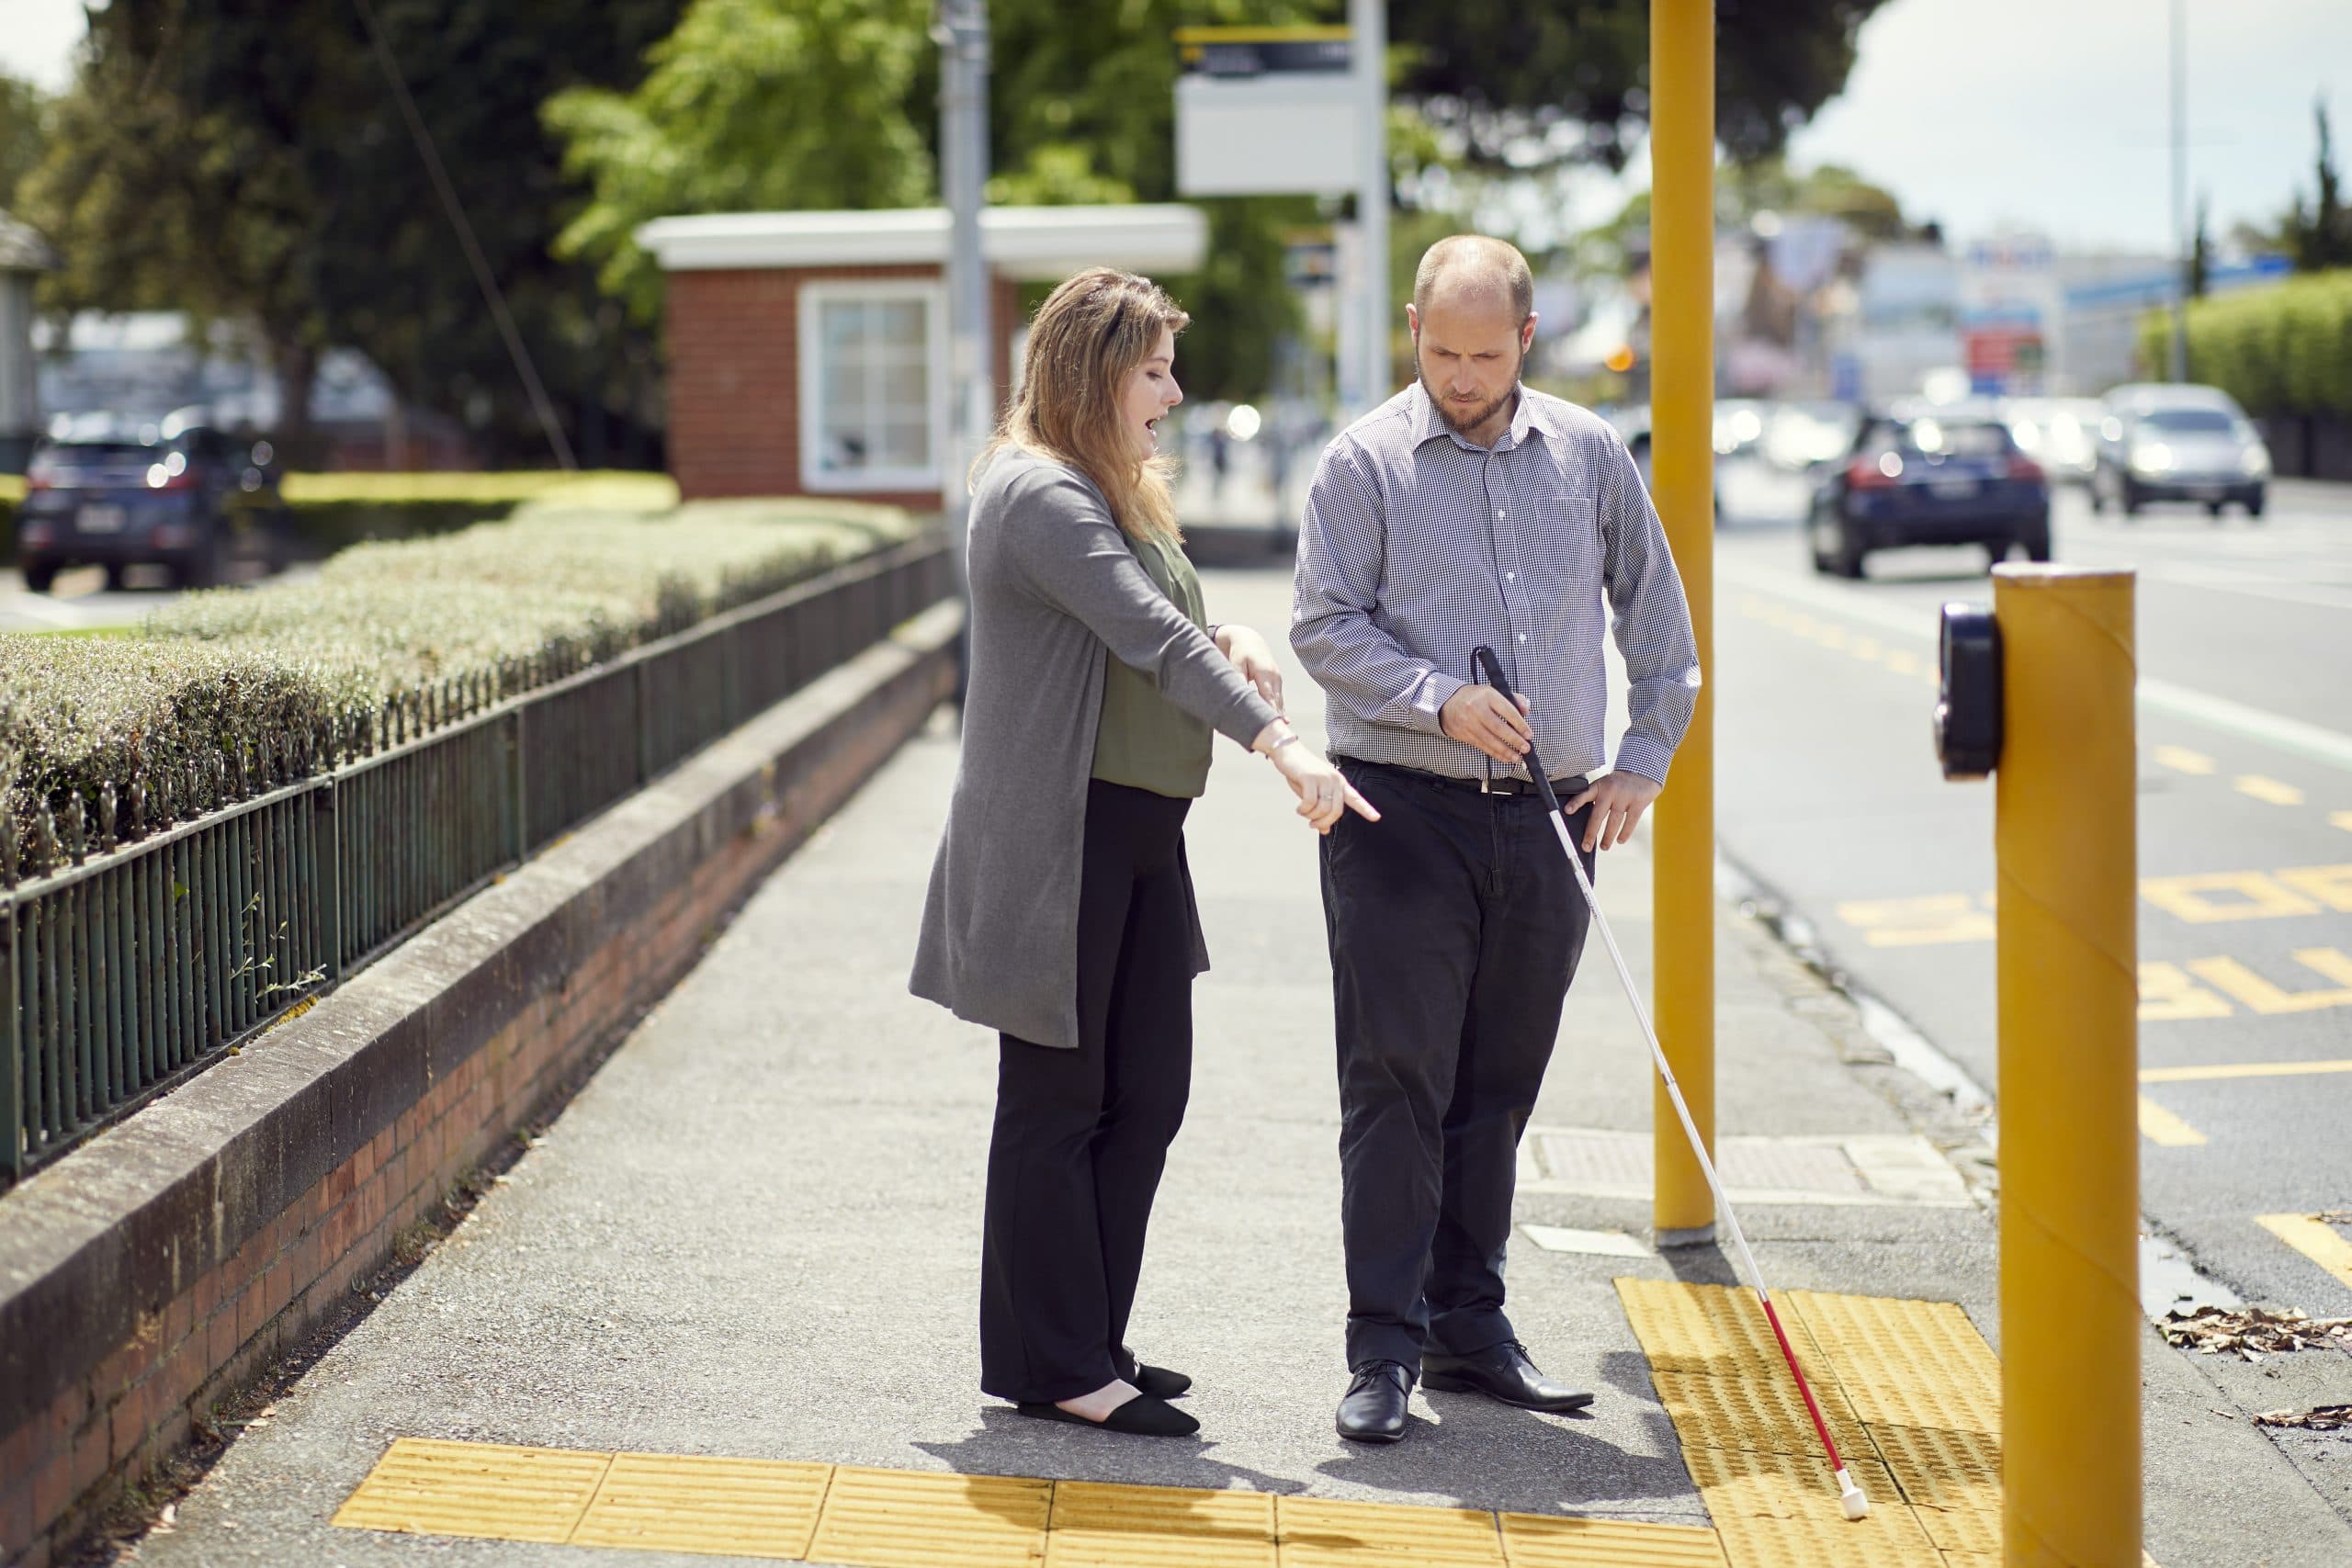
<point>1266,111</point>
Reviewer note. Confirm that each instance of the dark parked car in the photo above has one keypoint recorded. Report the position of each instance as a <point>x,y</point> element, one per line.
<point>1928,479</point>
<point>187,501</point>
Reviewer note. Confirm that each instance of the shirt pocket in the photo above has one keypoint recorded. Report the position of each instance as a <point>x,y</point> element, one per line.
<point>1560,549</point>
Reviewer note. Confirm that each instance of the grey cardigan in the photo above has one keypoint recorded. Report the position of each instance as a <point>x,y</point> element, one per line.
<point>1053,583</point>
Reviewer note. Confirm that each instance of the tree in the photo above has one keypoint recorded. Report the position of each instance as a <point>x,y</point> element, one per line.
<point>23,134</point>
<point>2201,252</point>
<point>1519,85</point>
<point>249,164</point>
<point>2320,237</point>
<point>749,105</point>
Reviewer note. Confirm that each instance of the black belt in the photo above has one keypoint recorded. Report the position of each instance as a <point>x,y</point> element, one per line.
<point>1501,784</point>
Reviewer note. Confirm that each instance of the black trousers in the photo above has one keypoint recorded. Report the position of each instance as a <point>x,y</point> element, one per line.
<point>1082,1135</point>
<point>1455,926</point>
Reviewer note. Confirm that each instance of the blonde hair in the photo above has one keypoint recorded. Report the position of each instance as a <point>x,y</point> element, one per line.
<point>1085,340</point>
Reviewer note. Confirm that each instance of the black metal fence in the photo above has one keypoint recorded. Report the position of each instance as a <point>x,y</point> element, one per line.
<point>136,964</point>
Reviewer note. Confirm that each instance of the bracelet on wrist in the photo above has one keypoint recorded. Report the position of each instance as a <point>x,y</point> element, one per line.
<point>1289,739</point>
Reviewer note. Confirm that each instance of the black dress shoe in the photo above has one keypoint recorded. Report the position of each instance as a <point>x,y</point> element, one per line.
<point>1503,1372</point>
<point>1373,1411</point>
<point>1142,1417</point>
<point>1160,1383</point>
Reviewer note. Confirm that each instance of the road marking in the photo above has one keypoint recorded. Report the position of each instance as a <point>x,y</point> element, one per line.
<point>2342,819</point>
<point>2167,996</point>
<point>2181,759</point>
<point>2311,740</point>
<point>2331,885</point>
<point>2241,1070</point>
<point>2160,1126</point>
<point>2270,790</point>
<point>1904,663</point>
<point>1916,922</point>
<point>2314,1240</point>
<point>2252,897</point>
<point>2260,996</point>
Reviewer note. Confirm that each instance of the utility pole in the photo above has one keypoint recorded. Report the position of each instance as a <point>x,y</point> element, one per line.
<point>1368,36</point>
<point>2180,194</point>
<point>961,29</point>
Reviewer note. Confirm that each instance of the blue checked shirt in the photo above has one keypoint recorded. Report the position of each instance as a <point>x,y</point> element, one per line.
<point>1417,546</point>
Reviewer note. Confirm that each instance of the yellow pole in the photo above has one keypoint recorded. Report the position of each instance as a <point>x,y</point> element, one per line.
<point>2064,833</point>
<point>1682,458</point>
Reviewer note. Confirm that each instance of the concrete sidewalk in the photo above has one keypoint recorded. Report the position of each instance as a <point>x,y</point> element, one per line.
<point>755,1232</point>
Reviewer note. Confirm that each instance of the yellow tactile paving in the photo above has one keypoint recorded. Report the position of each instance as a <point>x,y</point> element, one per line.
<point>1317,1532</point>
<point>894,1519</point>
<point>727,1507</point>
<point>1547,1541</point>
<point>788,1510</point>
<point>1781,1511</point>
<point>427,1488</point>
<point>1941,1469</point>
<point>1756,1411</point>
<point>1708,1328</point>
<point>1095,1524</point>
<point>1905,1363</point>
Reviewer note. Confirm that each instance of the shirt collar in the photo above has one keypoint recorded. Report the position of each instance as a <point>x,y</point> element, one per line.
<point>1427,424</point>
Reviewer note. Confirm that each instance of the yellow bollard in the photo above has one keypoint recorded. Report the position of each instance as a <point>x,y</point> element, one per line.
<point>2064,835</point>
<point>1682,458</point>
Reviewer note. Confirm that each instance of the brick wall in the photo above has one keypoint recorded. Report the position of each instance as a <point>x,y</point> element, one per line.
<point>734,376</point>
<point>501,1043</point>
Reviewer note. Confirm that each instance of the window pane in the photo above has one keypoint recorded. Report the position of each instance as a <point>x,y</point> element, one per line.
<point>899,321</point>
<point>903,388</point>
<point>872,384</point>
<point>906,445</point>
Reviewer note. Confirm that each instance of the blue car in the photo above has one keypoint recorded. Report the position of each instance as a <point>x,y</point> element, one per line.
<point>1929,478</point>
<point>186,502</point>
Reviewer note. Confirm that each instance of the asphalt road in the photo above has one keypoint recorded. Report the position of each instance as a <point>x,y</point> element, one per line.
<point>1829,796</point>
<point>80,600</point>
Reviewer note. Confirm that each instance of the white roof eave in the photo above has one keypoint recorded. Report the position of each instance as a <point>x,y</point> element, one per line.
<point>1025,244</point>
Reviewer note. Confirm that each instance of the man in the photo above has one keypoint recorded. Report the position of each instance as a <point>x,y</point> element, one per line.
<point>1467,509</point>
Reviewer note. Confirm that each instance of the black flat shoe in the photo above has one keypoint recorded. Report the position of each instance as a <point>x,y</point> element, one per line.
<point>1161,1383</point>
<point>1373,1411</point>
<point>1142,1417</point>
<point>1501,1372</point>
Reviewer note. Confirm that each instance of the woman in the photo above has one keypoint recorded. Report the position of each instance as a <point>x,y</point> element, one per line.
<point>1060,910</point>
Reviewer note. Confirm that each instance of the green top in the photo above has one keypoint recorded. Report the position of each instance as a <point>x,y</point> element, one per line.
<point>1146,741</point>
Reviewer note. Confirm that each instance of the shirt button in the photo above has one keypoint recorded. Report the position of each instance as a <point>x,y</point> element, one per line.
<point>1511,576</point>
<point>1500,512</point>
<point>1522,637</point>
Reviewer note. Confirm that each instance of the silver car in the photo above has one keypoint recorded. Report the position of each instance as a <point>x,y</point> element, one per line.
<point>2166,441</point>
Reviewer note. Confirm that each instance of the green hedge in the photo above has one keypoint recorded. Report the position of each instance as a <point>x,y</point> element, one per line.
<point>255,674</point>
<point>2285,349</point>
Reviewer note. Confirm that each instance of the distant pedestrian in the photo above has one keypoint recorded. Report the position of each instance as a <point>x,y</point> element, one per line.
<point>1467,509</point>
<point>1060,912</point>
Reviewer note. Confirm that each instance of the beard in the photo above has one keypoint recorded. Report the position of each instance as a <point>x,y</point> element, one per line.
<point>1463,425</point>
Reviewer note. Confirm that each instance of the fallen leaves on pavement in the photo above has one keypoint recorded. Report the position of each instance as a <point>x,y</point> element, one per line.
<point>2253,1332</point>
<point>2319,1418</point>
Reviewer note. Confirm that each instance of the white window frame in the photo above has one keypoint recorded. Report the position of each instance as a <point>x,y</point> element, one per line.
<point>815,479</point>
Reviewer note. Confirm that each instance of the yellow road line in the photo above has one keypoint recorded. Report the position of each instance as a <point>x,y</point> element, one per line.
<point>2314,1240</point>
<point>2267,789</point>
<point>2342,819</point>
<point>2181,759</point>
<point>2160,1126</point>
<point>2240,1070</point>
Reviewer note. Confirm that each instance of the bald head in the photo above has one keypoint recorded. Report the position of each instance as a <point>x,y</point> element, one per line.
<point>1473,270</point>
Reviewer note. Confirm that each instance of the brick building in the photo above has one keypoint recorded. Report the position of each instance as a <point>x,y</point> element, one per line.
<point>808,350</point>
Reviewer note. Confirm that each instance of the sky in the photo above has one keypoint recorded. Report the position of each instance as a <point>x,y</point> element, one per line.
<point>2051,116</point>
